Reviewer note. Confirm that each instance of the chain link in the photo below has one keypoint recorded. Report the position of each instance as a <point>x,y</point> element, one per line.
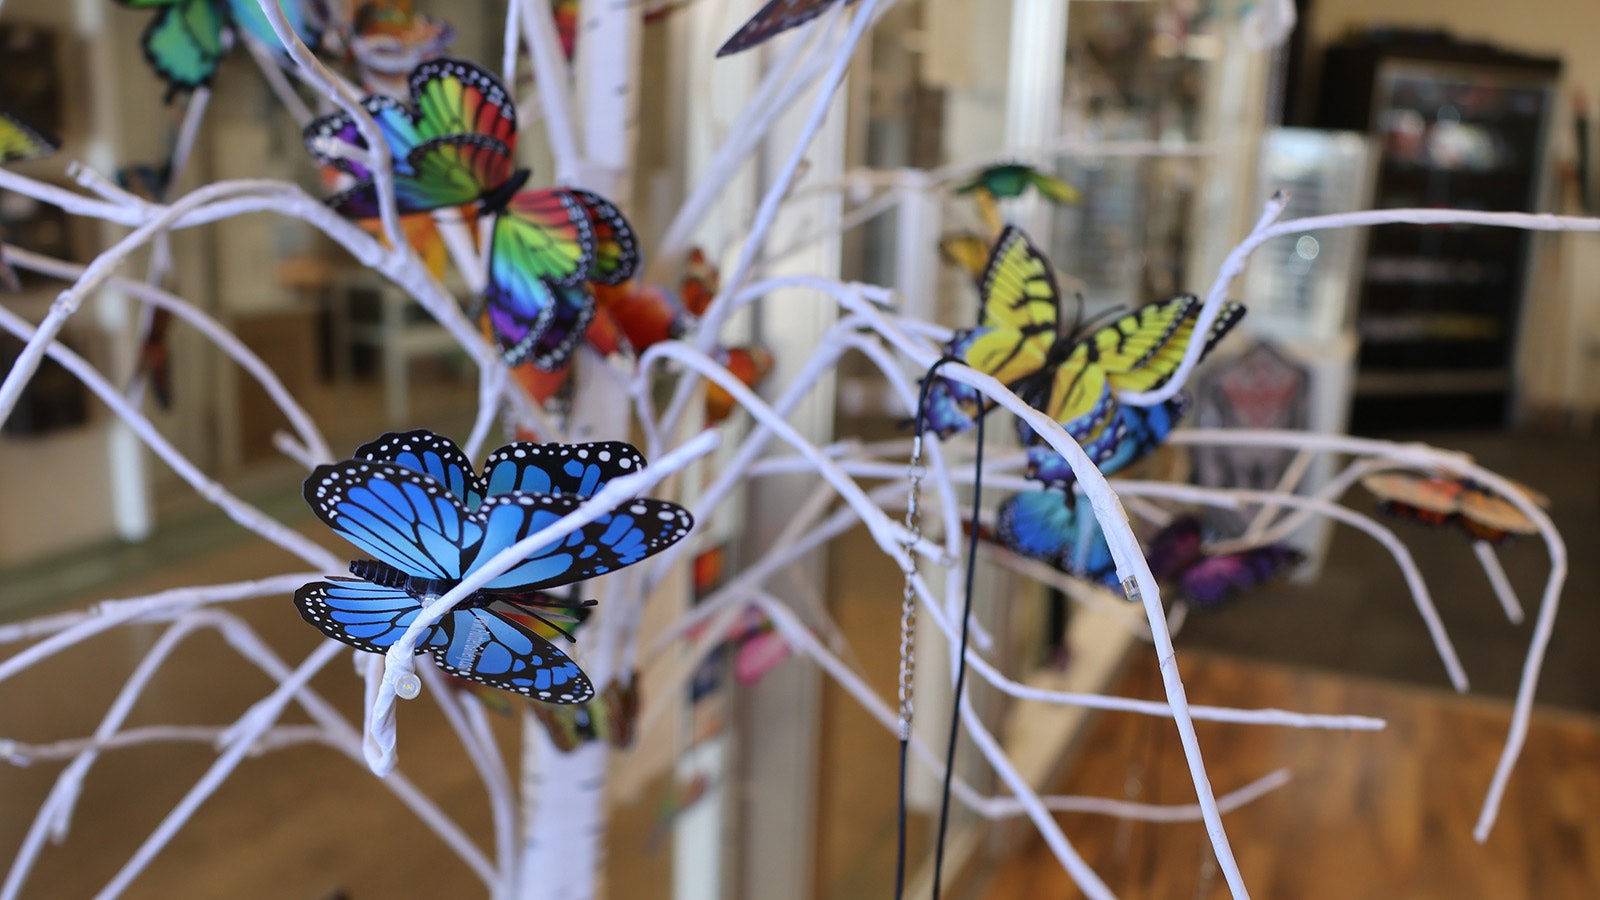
<point>908,596</point>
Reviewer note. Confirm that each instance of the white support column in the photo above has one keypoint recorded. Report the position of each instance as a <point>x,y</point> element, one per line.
<point>1033,96</point>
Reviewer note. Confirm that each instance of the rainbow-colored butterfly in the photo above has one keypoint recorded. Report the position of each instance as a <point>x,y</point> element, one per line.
<point>1072,378</point>
<point>453,146</point>
<point>186,40</point>
<point>773,19</point>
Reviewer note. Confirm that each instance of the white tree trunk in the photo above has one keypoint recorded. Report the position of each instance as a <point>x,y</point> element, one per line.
<point>563,818</point>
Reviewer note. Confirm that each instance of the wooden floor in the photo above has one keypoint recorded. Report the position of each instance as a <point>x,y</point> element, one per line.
<point>1367,815</point>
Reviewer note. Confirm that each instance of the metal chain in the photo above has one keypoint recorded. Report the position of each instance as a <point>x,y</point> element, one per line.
<point>908,596</point>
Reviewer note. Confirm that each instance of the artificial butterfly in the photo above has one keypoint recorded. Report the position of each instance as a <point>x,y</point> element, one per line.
<point>388,38</point>
<point>773,19</point>
<point>186,40</point>
<point>611,717</point>
<point>20,141</point>
<point>1177,559</point>
<point>1009,180</point>
<point>566,17</point>
<point>1059,528</point>
<point>966,251</point>
<point>750,363</point>
<point>1440,500</point>
<point>452,147</point>
<point>414,502</point>
<point>1073,379</point>
<point>701,281</point>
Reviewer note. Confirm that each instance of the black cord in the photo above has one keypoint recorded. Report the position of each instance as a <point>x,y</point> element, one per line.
<point>900,846</point>
<point>961,658</point>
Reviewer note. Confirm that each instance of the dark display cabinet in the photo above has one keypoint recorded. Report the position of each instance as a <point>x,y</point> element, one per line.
<point>1455,125</point>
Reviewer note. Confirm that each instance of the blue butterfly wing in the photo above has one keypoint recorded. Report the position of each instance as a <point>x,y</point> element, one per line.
<point>364,615</point>
<point>1090,556</point>
<point>576,469</point>
<point>394,122</point>
<point>1060,530</point>
<point>402,517</point>
<point>247,14</point>
<point>635,530</point>
<point>952,407</point>
<point>431,454</point>
<point>489,648</point>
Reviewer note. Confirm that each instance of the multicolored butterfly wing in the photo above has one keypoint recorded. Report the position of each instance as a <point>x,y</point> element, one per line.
<point>21,141</point>
<point>327,135</point>
<point>616,247</point>
<point>519,318</point>
<point>545,235</point>
<point>776,17</point>
<point>1058,529</point>
<point>454,96</point>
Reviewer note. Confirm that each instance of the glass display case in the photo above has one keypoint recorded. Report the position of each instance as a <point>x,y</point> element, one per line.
<point>1462,126</point>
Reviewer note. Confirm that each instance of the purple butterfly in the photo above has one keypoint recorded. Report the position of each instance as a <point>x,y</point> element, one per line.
<point>1176,559</point>
<point>776,17</point>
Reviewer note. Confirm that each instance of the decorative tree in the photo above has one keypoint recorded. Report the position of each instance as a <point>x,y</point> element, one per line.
<point>548,806</point>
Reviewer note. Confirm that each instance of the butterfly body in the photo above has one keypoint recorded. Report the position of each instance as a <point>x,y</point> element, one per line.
<point>414,503</point>
<point>1010,180</point>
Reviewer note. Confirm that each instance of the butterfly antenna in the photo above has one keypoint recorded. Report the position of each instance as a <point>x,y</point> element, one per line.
<point>559,629</point>
<point>545,601</point>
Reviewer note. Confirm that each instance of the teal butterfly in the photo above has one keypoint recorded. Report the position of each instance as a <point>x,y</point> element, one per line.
<point>186,40</point>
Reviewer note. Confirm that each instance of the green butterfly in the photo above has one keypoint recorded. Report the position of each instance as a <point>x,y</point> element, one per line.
<point>1008,180</point>
<point>187,39</point>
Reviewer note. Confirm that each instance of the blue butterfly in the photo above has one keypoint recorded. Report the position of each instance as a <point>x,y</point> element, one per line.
<point>1060,529</point>
<point>414,502</point>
